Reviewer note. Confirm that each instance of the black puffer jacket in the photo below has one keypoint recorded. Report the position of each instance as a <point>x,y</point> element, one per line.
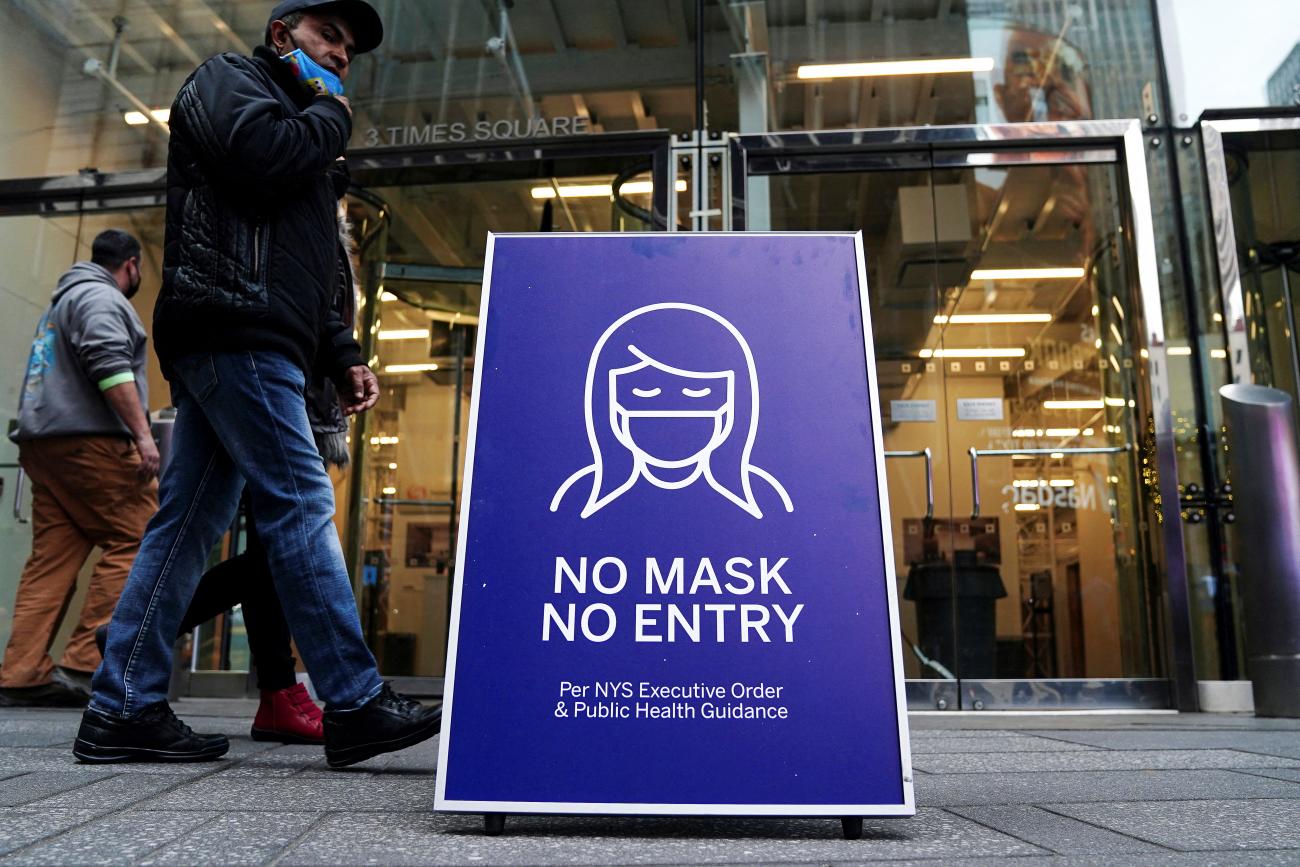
<point>251,257</point>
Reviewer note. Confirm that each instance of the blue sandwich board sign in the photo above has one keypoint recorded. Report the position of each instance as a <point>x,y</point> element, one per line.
<point>675,590</point>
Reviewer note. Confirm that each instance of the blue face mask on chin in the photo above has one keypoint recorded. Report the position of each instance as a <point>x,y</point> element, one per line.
<point>314,76</point>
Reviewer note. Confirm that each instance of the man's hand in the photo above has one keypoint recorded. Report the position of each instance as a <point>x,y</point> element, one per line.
<point>359,390</point>
<point>150,460</point>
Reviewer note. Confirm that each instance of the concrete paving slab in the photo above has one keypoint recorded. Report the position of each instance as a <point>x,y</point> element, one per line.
<point>19,829</point>
<point>37,732</point>
<point>952,790</point>
<point>1291,774</point>
<point>29,787</point>
<point>235,838</point>
<point>1285,744</point>
<point>994,744</point>
<point>339,792</point>
<point>1054,832</point>
<point>108,794</point>
<point>122,838</point>
<point>429,839</point>
<point>1097,760</point>
<point>1191,826</point>
<point>45,759</point>
<point>921,729</point>
<point>281,760</point>
<point>1278,858</point>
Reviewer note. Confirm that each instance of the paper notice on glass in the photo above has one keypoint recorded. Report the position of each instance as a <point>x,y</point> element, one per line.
<point>979,409</point>
<point>912,410</point>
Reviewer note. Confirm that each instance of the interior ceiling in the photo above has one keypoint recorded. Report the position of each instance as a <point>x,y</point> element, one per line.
<point>622,64</point>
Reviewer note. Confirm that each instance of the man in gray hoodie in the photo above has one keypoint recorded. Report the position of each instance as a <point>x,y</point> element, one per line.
<point>84,440</point>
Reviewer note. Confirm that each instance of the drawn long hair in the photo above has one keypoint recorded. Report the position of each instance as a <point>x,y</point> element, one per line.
<point>689,338</point>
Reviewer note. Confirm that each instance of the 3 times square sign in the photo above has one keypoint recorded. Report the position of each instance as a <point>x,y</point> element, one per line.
<point>459,132</point>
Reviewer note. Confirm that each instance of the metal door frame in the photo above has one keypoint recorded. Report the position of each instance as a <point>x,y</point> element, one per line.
<point>1121,142</point>
<point>1214,126</point>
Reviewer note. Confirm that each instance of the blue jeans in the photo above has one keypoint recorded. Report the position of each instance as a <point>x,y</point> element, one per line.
<point>241,419</point>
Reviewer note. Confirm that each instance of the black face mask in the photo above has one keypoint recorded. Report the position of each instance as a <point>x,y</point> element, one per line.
<point>135,285</point>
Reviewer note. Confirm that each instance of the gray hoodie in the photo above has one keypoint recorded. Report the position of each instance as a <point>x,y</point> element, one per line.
<point>89,339</point>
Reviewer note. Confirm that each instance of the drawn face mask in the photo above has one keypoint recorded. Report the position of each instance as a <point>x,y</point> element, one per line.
<point>670,417</point>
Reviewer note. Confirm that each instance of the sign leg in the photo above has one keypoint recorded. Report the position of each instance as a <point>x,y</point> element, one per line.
<point>852,827</point>
<point>495,823</point>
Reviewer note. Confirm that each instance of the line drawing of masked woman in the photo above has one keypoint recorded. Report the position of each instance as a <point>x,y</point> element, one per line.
<point>672,399</point>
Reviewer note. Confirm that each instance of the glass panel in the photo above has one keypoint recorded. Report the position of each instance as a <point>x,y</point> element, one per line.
<point>1243,59</point>
<point>414,439</point>
<point>1193,389</point>
<point>459,72</point>
<point>908,253</point>
<point>1263,173</point>
<point>1039,357</point>
<point>34,252</point>
<point>796,65</point>
<point>1003,305</point>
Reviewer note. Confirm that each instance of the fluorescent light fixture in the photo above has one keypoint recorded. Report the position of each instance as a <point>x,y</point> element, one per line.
<point>390,490</point>
<point>392,466</point>
<point>388,296</point>
<point>1115,401</point>
<point>1026,433</point>
<point>978,352</point>
<point>937,66</point>
<point>384,441</point>
<point>410,368</point>
<point>1071,404</point>
<point>404,334</point>
<point>1179,350</point>
<point>1218,353</point>
<point>137,118</point>
<point>1027,274</point>
<point>1022,457</point>
<point>992,318</point>
<point>1028,483</point>
<point>593,191</point>
<point>1027,507</point>
<point>1062,483</point>
<point>1062,432</point>
<point>1057,455</point>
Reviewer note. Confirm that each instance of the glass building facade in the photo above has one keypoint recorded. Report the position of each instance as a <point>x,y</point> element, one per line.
<point>1081,219</point>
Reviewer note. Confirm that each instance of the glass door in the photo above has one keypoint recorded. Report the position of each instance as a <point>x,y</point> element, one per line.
<point>1253,167</point>
<point>424,240</point>
<point>1015,394</point>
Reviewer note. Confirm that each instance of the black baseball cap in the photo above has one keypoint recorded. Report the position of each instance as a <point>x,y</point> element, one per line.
<point>367,28</point>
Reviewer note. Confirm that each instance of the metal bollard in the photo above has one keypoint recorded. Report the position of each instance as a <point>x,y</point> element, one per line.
<point>1265,468</point>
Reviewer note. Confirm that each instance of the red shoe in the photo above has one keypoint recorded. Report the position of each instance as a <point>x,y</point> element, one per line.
<point>288,716</point>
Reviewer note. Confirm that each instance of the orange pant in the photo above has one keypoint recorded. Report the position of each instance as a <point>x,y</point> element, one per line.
<point>85,494</point>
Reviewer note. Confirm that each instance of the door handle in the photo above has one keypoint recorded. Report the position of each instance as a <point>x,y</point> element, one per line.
<point>976,454</point>
<point>929,475</point>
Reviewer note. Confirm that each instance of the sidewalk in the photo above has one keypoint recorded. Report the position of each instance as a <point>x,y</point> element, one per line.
<point>1140,789</point>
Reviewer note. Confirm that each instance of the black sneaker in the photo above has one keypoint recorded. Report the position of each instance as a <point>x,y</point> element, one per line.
<point>153,735</point>
<point>54,694</point>
<point>387,723</point>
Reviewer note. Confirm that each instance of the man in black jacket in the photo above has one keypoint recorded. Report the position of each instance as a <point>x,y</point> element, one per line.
<point>250,274</point>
